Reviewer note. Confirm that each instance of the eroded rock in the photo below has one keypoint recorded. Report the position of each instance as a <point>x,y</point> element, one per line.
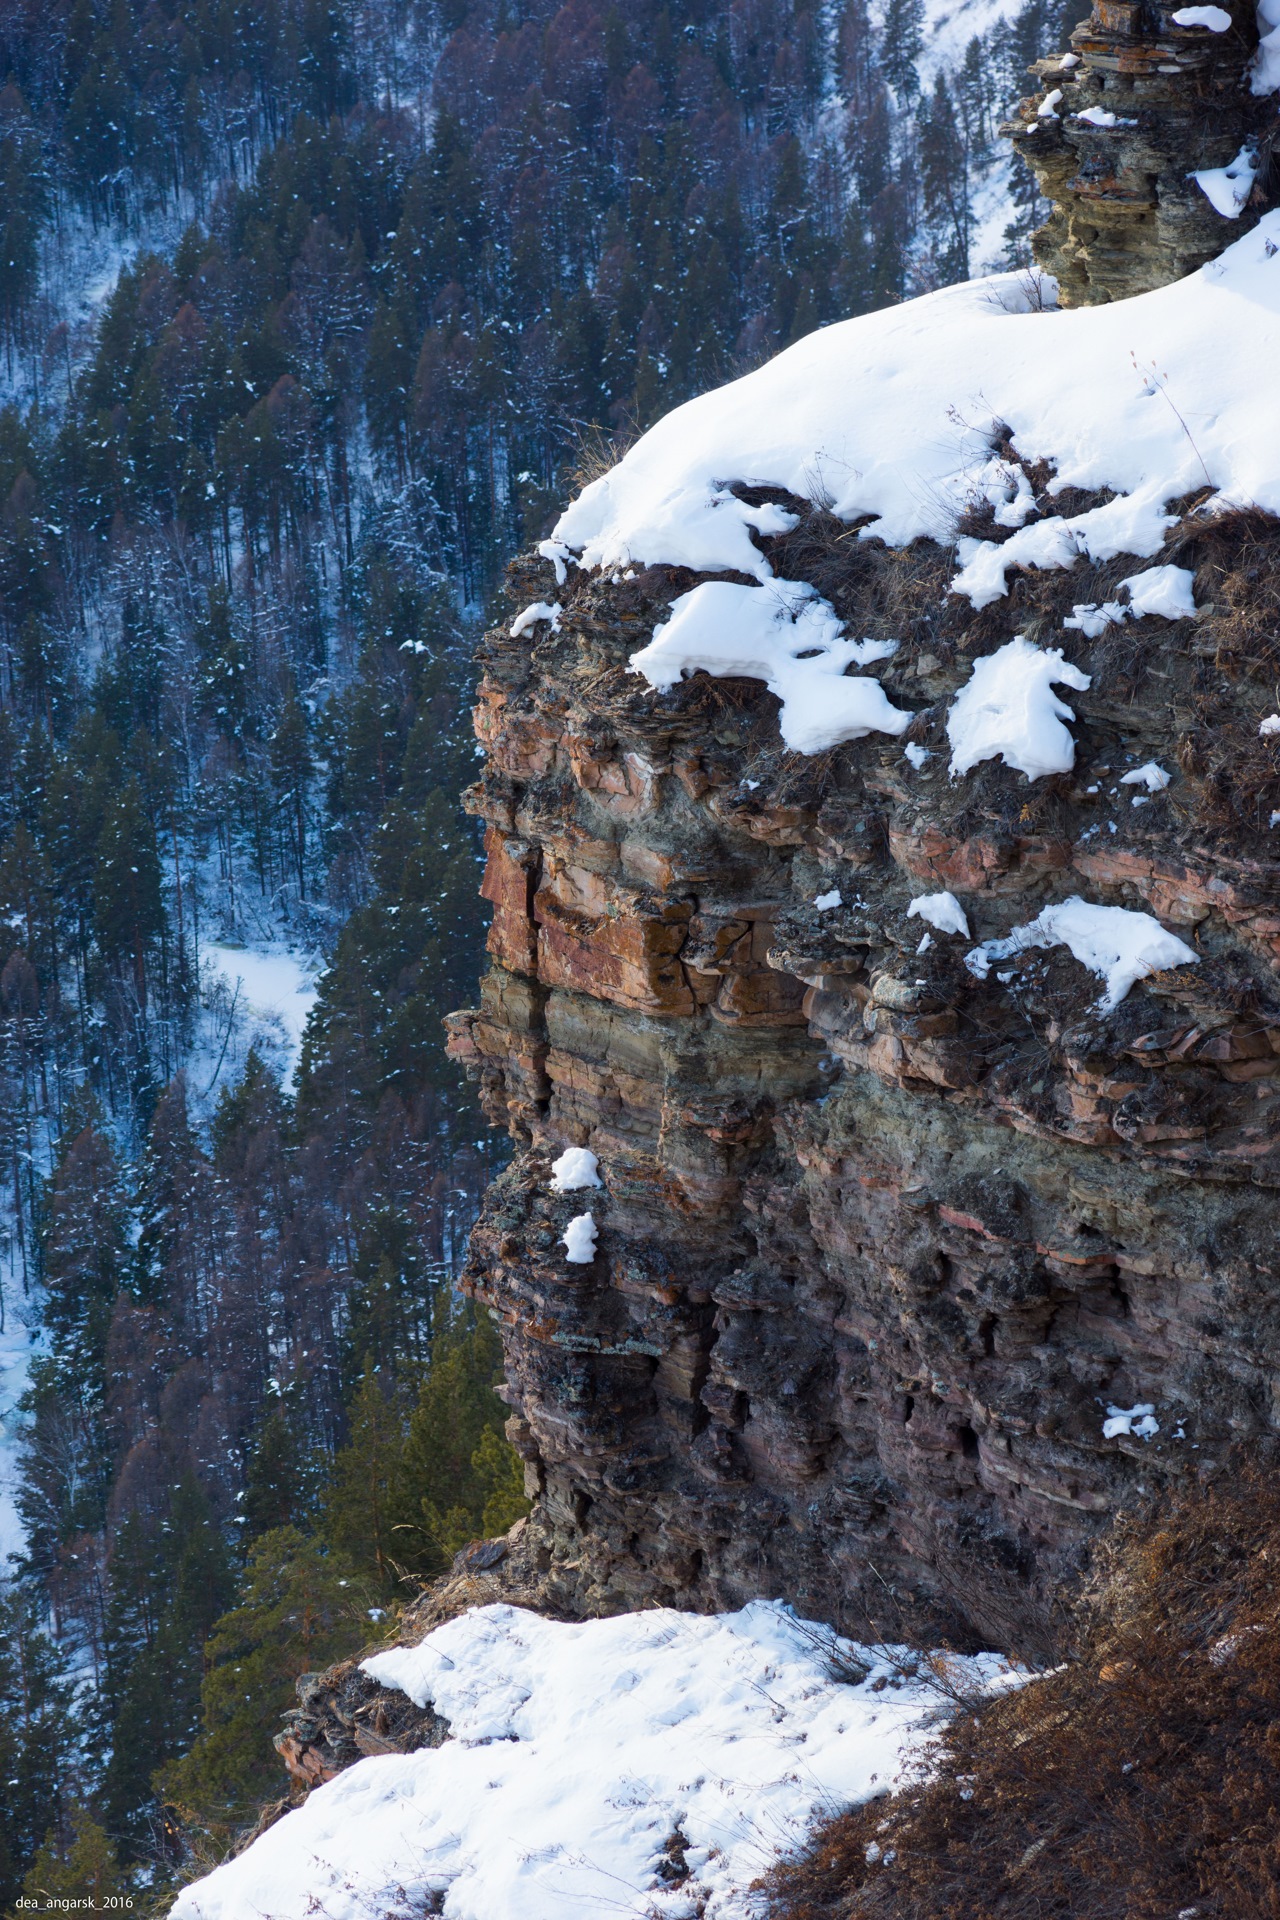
<point>879,1243</point>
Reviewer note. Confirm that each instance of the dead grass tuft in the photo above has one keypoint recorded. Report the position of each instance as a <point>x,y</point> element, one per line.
<point>1139,1782</point>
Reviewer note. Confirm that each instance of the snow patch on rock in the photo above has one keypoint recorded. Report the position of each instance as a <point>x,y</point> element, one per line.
<point>1113,942</point>
<point>538,610</point>
<point>893,416</point>
<point>942,911</point>
<point>579,1240</point>
<point>783,634</point>
<point>1227,189</point>
<point>1007,709</point>
<point>577,1167</point>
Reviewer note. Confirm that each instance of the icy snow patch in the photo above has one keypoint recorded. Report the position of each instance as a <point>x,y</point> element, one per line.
<point>1227,189</point>
<point>17,1344</point>
<point>1092,619</point>
<point>576,1167</point>
<point>917,755</point>
<point>538,610</point>
<point>1140,1421</point>
<point>1103,117</point>
<point>1216,19</point>
<point>824,902</point>
<point>1265,77</point>
<point>1270,725</point>
<point>1119,945</point>
<point>1008,708</point>
<point>579,1240</point>
<point>1162,590</point>
<point>783,634</point>
<point>941,910</point>
<point>1152,777</point>
<point>578,1750</point>
<point>893,415</point>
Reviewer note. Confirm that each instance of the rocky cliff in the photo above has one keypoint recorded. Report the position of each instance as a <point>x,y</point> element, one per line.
<point>880,1243</point>
<point>915,1260</point>
<point>1147,97</point>
<point>910,1273</point>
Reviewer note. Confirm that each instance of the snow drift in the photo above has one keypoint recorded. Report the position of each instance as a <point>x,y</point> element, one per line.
<point>893,415</point>
<point>652,1764</point>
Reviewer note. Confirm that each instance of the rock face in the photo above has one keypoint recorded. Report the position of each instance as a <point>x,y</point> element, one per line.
<point>1116,134</point>
<point>879,1243</point>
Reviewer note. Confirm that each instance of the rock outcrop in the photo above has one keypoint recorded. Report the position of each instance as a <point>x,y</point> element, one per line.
<point>1119,129</point>
<point>879,1243</point>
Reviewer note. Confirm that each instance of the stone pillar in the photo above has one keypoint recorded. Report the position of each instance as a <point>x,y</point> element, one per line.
<point>1115,136</point>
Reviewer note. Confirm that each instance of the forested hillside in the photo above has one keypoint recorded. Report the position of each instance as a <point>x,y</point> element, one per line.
<point>309,309</point>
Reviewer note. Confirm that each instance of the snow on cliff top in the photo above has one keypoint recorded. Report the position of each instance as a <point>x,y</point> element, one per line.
<point>892,415</point>
<point>585,1758</point>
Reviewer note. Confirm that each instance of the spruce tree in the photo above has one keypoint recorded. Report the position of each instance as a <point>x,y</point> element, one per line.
<point>359,1503</point>
<point>38,1735</point>
<point>442,1493</point>
<point>300,1606</point>
<point>76,1870</point>
<point>170,1580</point>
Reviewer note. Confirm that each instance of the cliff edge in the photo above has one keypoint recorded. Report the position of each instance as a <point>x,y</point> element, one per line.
<point>882,777</point>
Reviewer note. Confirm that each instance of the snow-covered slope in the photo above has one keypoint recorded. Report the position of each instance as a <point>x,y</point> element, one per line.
<point>949,26</point>
<point>653,1764</point>
<point>893,415</point>
<point>275,990</point>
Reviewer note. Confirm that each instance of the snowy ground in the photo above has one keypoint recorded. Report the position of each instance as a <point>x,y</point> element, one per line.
<point>588,1762</point>
<point>252,997</point>
<point>949,26</point>
<point>15,1355</point>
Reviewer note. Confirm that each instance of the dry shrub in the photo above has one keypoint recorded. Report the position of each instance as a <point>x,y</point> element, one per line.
<point>1139,1782</point>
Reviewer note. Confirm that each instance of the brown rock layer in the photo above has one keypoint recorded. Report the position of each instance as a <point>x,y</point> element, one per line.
<point>879,1243</point>
<point>1168,100</point>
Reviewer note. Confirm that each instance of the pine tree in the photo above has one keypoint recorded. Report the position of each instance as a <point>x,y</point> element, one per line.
<point>902,46</point>
<point>281,1471</point>
<point>291,769</point>
<point>358,1503</point>
<point>83,1253</point>
<point>441,1494</point>
<point>128,904</point>
<point>170,1580</point>
<point>300,1606</point>
<point>38,1738</point>
<point>76,1871</point>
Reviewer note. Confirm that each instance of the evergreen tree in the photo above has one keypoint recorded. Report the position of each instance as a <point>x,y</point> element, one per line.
<point>83,1253</point>
<point>128,905</point>
<point>38,1738</point>
<point>359,1499</point>
<point>76,1871</point>
<point>170,1580</point>
<point>442,1493</point>
<point>300,1606</point>
<point>282,1472</point>
<point>902,45</point>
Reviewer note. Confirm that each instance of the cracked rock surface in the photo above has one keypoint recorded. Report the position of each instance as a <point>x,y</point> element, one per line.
<point>880,1243</point>
<point>1116,135</point>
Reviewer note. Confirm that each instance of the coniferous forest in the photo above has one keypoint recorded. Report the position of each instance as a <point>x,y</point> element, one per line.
<point>309,312</point>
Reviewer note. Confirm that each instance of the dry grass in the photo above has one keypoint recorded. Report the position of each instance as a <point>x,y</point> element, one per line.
<point>1138,1782</point>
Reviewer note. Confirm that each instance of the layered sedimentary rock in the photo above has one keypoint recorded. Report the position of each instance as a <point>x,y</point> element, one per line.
<point>1118,131</point>
<point>880,1243</point>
